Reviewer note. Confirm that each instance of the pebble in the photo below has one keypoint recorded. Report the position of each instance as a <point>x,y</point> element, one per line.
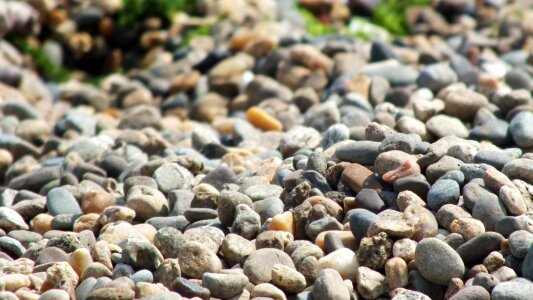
<point>371,284</point>
<point>512,290</point>
<point>196,258</point>
<point>444,191</point>
<point>261,119</point>
<point>361,152</point>
<point>189,288</point>
<point>267,290</point>
<point>147,202</point>
<point>235,248</point>
<point>520,129</point>
<point>472,292</point>
<point>329,286</point>
<point>288,279</point>
<point>224,285</point>
<point>483,243</point>
<point>438,262</point>
<point>61,201</point>
<point>343,260</point>
<point>436,76</point>
<point>258,266</point>
<point>443,125</point>
<point>171,176</point>
<point>141,254</point>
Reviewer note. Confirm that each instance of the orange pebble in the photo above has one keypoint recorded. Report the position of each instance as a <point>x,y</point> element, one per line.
<point>95,201</point>
<point>260,119</point>
<point>42,223</point>
<point>283,222</point>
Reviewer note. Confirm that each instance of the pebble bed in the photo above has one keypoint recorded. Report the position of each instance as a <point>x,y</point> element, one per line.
<point>259,162</point>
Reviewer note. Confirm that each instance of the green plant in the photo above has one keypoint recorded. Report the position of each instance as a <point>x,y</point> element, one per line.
<point>135,10</point>
<point>44,66</point>
<point>362,29</point>
<point>313,26</point>
<point>202,30</point>
<point>390,14</point>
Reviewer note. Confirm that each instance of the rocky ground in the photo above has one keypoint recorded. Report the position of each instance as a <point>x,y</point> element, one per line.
<point>232,149</point>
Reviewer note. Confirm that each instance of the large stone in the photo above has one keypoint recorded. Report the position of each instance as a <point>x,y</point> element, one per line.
<point>438,262</point>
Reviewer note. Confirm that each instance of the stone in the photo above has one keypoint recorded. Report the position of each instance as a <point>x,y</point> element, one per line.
<point>393,224</point>
<point>288,279</point>
<point>141,254</point>
<point>520,128</point>
<point>519,243</point>
<point>267,290</point>
<point>60,274</point>
<point>61,201</point>
<point>520,168</point>
<point>96,201</point>
<point>443,125</point>
<point>210,236</point>
<point>268,208</point>
<point>438,76</point>
<point>262,120</point>
<point>167,272</point>
<point>489,210</point>
<point>469,228</point>
<point>196,259</point>
<point>171,176</point>
<point>283,222</point>
<point>461,102</point>
<point>111,293</point>
<point>527,265</point>
<point>444,191</point>
<point>55,294</point>
<point>188,288</point>
<point>227,204</point>
<point>247,222</point>
<point>329,286</point>
<point>147,202</point>
<point>169,241</point>
<point>360,220</point>
<point>375,251</point>
<point>371,284</point>
<point>224,285</point>
<point>361,152</point>
<point>95,270</point>
<point>438,262</point>
<point>297,138</point>
<point>357,177</point>
<point>396,273</point>
<point>369,199</point>
<point>343,260</point>
<point>512,290</point>
<point>404,249</point>
<point>476,249</point>
<point>258,266</point>
<point>12,246</point>
<point>472,292</point>
<point>80,260</point>
<point>235,248</point>
<point>513,200</point>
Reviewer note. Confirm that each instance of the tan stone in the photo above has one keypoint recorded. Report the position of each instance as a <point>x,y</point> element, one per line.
<point>283,222</point>
<point>357,177</point>
<point>96,201</point>
<point>80,259</point>
<point>42,223</point>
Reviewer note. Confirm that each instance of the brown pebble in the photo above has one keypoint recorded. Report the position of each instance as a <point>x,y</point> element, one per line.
<point>96,201</point>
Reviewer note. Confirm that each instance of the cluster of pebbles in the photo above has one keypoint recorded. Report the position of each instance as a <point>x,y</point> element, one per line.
<point>261,163</point>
